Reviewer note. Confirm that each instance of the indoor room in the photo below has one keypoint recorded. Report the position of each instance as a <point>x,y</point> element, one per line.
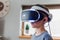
<point>19,22</point>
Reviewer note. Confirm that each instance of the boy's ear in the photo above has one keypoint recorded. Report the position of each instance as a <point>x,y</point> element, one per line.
<point>45,20</point>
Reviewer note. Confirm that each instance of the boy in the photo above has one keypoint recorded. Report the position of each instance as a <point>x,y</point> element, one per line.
<point>38,15</point>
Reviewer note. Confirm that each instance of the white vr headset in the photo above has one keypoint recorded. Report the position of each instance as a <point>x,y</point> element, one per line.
<point>32,15</point>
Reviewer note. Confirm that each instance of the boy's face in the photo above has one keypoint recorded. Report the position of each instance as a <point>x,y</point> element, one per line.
<point>39,23</point>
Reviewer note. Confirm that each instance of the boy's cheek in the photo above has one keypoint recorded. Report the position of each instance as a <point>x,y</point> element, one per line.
<point>35,25</point>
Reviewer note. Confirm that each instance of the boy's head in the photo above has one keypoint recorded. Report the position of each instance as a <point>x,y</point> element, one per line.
<point>43,10</point>
<point>38,15</point>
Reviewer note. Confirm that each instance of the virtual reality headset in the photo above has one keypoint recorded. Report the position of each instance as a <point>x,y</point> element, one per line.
<point>33,15</point>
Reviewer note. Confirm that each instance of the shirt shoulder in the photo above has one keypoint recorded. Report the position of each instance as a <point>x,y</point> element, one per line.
<point>47,37</point>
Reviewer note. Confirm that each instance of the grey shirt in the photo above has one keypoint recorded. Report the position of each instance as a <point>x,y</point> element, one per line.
<point>43,36</point>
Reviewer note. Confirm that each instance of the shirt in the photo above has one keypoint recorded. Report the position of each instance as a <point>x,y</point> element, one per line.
<point>43,36</point>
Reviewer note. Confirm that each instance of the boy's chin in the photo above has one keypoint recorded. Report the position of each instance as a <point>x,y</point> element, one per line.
<point>33,27</point>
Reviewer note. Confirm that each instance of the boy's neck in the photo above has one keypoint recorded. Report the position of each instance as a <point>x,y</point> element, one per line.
<point>40,30</point>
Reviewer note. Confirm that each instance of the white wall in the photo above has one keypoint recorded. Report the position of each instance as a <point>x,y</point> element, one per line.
<point>30,2</point>
<point>11,20</point>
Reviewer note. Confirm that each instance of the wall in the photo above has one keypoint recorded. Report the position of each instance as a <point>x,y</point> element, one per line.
<point>11,21</point>
<point>30,2</point>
